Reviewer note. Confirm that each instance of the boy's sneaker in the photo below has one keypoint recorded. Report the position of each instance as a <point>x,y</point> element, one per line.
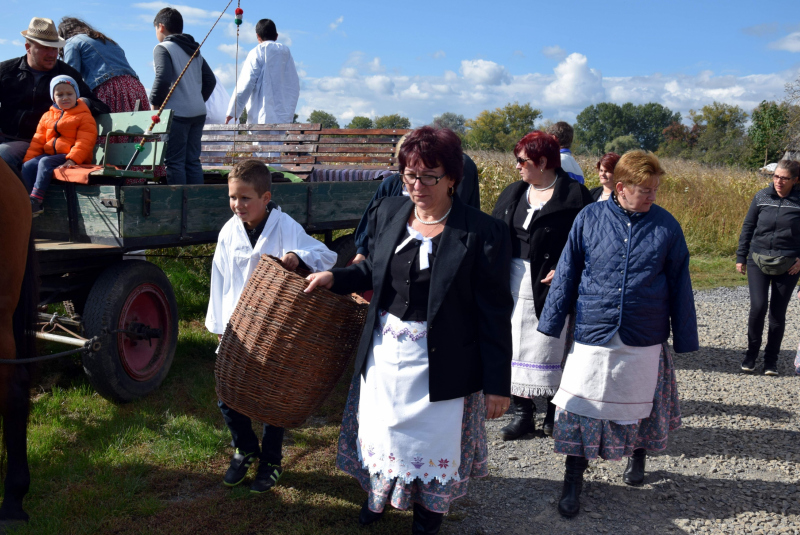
<point>749,364</point>
<point>771,369</point>
<point>240,463</point>
<point>36,207</point>
<point>266,478</point>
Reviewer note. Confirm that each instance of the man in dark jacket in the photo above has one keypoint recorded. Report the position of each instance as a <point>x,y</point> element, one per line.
<point>188,100</point>
<point>25,89</point>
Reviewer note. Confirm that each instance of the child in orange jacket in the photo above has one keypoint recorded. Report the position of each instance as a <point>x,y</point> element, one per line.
<point>65,137</point>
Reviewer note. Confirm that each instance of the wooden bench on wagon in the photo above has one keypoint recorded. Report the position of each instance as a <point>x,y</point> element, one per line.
<point>305,149</point>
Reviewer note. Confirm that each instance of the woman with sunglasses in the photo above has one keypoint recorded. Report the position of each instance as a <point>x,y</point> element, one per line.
<point>539,210</point>
<point>435,356</point>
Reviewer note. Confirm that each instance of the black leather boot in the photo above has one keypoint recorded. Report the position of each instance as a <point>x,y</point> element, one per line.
<point>522,423</point>
<point>549,418</point>
<point>634,472</point>
<point>426,522</point>
<point>570,504</point>
<point>367,516</point>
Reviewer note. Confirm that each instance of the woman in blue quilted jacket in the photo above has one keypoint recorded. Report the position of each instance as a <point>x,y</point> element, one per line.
<point>625,272</point>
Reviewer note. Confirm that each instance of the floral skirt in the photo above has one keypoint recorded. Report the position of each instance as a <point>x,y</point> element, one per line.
<point>592,438</point>
<point>434,495</point>
<point>120,94</point>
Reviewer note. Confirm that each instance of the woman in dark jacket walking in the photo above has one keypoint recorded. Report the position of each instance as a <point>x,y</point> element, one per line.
<point>769,254</point>
<point>625,270</point>
<point>435,354</point>
<point>539,210</point>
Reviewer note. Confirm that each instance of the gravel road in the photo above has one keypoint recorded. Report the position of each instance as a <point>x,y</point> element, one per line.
<point>734,466</point>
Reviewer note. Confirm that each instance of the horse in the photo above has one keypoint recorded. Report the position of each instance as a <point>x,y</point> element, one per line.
<point>18,308</point>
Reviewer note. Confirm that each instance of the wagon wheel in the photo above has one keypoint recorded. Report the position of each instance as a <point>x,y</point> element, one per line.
<point>345,249</point>
<point>132,308</point>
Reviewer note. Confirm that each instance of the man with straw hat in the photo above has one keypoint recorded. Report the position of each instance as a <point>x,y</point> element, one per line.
<point>25,89</point>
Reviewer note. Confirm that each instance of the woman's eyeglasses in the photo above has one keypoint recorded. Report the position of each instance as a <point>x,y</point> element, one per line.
<point>427,180</point>
<point>522,161</point>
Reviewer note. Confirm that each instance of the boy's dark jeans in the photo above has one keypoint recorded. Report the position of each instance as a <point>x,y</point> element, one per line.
<point>182,154</point>
<point>245,439</point>
<point>38,172</point>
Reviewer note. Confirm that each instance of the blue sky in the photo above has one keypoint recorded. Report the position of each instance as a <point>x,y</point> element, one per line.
<point>422,58</point>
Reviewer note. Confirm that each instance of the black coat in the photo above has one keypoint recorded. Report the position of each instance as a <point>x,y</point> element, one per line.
<point>771,226</point>
<point>469,305</point>
<point>22,103</point>
<point>596,193</point>
<point>549,228</point>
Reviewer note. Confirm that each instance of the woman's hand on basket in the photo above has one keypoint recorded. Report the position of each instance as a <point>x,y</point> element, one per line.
<point>323,279</point>
<point>795,267</point>
<point>290,261</point>
<point>741,268</point>
<point>496,406</point>
<point>357,259</point>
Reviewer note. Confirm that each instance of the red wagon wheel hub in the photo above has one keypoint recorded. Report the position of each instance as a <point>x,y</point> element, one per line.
<point>146,305</point>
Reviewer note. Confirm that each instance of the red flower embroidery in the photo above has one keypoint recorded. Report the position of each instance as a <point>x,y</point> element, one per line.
<point>443,463</point>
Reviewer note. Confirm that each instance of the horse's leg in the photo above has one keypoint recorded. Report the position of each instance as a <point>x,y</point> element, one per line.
<point>15,424</point>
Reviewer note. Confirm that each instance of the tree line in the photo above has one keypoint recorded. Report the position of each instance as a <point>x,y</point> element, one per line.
<point>717,133</point>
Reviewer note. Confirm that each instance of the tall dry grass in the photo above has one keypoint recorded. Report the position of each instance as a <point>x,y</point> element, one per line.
<point>709,202</point>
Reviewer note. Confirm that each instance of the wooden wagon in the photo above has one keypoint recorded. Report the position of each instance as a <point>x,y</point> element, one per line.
<point>87,232</point>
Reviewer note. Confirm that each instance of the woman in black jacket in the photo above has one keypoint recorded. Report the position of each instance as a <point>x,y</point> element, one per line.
<point>539,211</point>
<point>605,172</point>
<point>435,356</point>
<point>769,254</point>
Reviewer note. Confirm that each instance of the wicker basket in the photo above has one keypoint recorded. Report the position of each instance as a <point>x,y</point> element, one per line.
<point>283,350</point>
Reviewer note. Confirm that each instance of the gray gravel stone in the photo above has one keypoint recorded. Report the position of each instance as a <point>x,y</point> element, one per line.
<point>734,466</point>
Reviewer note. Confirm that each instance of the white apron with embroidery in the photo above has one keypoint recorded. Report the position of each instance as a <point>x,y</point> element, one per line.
<point>536,358</point>
<point>400,432</point>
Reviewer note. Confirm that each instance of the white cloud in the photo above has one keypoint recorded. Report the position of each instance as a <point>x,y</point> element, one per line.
<point>335,24</point>
<point>483,72</point>
<point>554,52</point>
<point>191,15</point>
<point>230,49</point>
<point>227,75</point>
<point>790,43</point>
<point>439,54</point>
<point>3,41</point>
<point>247,32</point>
<point>285,38</point>
<point>575,84</point>
<point>17,42</point>
<point>375,65</point>
<point>380,84</point>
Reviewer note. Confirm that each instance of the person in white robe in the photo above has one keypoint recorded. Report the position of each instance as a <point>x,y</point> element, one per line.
<point>257,227</point>
<point>268,85</point>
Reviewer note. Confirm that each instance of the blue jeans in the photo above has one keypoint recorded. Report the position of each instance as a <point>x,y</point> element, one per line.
<point>38,172</point>
<point>182,155</point>
<point>245,439</point>
<point>13,152</point>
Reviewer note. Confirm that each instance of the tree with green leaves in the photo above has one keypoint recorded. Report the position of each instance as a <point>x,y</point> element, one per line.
<point>501,128</point>
<point>599,124</point>
<point>454,121</point>
<point>393,121</point>
<point>325,119</point>
<point>767,132</point>
<point>360,122</point>
<point>722,137</point>
<point>623,144</point>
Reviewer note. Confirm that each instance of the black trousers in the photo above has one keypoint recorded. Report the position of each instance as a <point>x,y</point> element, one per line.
<point>245,439</point>
<point>783,287</point>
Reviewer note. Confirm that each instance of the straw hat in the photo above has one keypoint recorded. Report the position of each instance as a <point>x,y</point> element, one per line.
<point>43,31</point>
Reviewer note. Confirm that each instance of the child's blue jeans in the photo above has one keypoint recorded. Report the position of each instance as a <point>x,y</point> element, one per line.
<point>38,172</point>
<point>246,440</point>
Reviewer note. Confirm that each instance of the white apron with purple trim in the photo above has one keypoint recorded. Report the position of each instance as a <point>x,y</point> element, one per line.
<point>536,358</point>
<point>400,432</point>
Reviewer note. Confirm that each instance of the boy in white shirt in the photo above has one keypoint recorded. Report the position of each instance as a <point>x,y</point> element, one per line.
<point>257,227</point>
